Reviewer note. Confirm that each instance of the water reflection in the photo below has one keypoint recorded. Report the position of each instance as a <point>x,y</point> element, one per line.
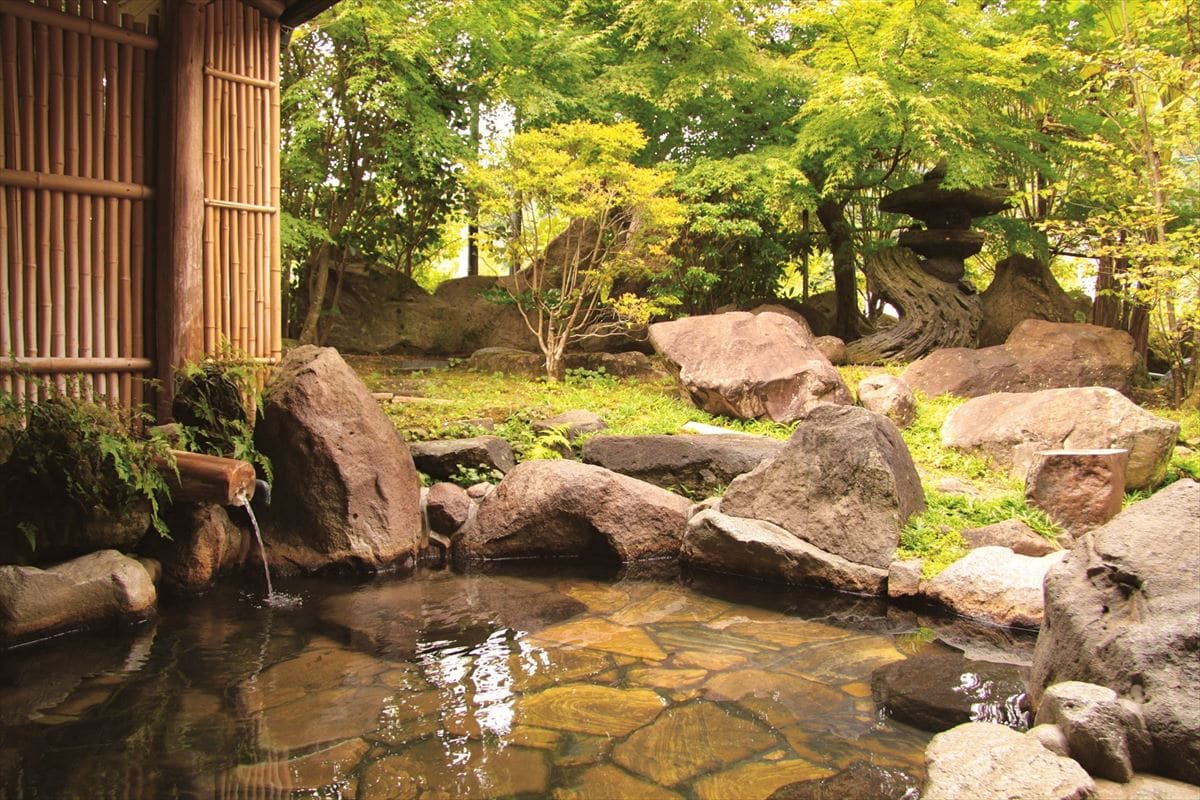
<point>465,686</point>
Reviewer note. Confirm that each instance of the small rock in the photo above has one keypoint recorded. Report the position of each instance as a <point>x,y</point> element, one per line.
<point>479,491</point>
<point>832,348</point>
<point>692,465</point>
<point>441,458</point>
<point>1011,533</point>
<point>862,780</point>
<point>986,761</point>
<point>952,485</point>
<point>1106,737</point>
<point>1146,787</point>
<point>888,395</point>
<point>904,578</point>
<point>994,584</point>
<point>1052,738</point>
<point>99,586</point>
<point>447,507</point>
<point>576,423</point>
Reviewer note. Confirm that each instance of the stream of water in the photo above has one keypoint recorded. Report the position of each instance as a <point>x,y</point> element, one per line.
<point>451,685</point>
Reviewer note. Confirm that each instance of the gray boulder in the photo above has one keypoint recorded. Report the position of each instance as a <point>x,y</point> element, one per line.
<point>994,584</point>
<point>98,587</point>
<point>346,492</point>
<point>576,423</point>
<point>1123,611</point>
<point>441,458</point>
<point>844,482</point>
<point>888,395</point>
<point>766,552</point>
<point>987,761</point>
<point>1037,355</point>
<point>1009,428</point>
<point>936,691</point>
<point>749,365</point>
<point>1106,735</point>
<point>553,509</point>
<point>693,465</point>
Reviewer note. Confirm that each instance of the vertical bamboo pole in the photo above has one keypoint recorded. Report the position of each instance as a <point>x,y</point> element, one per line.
<point>138,231</point>
<point>125,206</point>
<point>44,309</point>
<point>29,197</point>
<point>99,207</point>
<point>210,182</point>
<point>243,182</point>
<point>58,243</point>
<point>6,316</point>
<point>275,306</point>
<point>86,202</point>
<point>253,54</point>
<point>151,125</point>
<point>112,230</point>
<point>71,109</point>
<point>226,123</point>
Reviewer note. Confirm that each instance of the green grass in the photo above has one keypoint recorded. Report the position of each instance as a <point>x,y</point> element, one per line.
<point>634,407</point>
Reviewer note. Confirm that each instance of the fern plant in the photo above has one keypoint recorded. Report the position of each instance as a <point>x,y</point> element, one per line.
<point>216,403</point>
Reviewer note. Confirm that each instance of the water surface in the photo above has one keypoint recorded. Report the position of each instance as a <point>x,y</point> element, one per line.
<point>462,686</point>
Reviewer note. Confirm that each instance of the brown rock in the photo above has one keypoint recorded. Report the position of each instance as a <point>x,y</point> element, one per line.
<point>587,708</point>
<point>1011,533</point>
<point>1038,355</point>
<point>693,465</point>
<point>1079,489</point>
<point>687,741</point>
<point>315,771</point>
<point>575,424</point>
<point>888,395</point>
<point>475,772</point>
<point>767,552</point>
<point>100,586</point>
<point>563,508</point>
<point>204,543</point>
<point>845,483</point>
<point>447,507</point>
<point>1009,428</point>
<point>936,691</point>
<point>609,781</point>
<point>346,491</point>
<point>441,458</point>
<point>749,366</point>
<point>904,578</point>
<point>832,348</point>
<point>1105,735</point>
<point>1122,612</point>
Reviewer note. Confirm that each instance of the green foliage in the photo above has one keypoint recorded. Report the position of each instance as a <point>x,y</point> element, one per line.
<point>548,445</point>
<point>215,405</point>
<point>935,534</point>
<point>924,440</point>
<point>71,460</point>
<point>466,476</point>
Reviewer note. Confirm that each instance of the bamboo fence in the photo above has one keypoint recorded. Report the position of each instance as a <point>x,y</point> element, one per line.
<point>241,177</point>
<point>76,187</point>
<point>78,127</point>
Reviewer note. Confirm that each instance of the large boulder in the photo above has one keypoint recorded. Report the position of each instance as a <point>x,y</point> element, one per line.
<point>98,587</point>
<point>766,552</point>
<point>1009,428</point>
<point>346,491</point>
<point>1037,355</point>
<point>987,761</point>
<point>844,482</point>
<point>384,311</point>
<point>693,465</point>
<point>749,365</point>
<point>1021,288</point>
<point>994,584</point>
<point>1123,611</point>
<point>551,509</point>
<point>1105,734</point>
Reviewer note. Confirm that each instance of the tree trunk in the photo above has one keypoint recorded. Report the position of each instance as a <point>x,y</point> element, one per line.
<point>472,202</point>
<point>933,313</point>
<point>832,215</point>
<point>318,281</point>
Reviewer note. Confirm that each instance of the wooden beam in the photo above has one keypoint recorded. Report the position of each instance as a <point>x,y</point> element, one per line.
<point>180,330</point>
<point>271,8</point>
<point>300,11</point>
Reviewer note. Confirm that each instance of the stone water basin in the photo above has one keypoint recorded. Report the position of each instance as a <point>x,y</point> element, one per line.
<point>467,686</point>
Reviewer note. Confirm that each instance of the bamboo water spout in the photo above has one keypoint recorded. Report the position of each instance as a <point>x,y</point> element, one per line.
<point>210,479</point>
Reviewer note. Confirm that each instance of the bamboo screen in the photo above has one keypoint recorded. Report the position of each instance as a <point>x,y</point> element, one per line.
<point>241,179</point>
<point>76,178</point>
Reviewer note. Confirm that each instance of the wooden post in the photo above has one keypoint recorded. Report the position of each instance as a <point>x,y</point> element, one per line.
<point>181,207</point>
